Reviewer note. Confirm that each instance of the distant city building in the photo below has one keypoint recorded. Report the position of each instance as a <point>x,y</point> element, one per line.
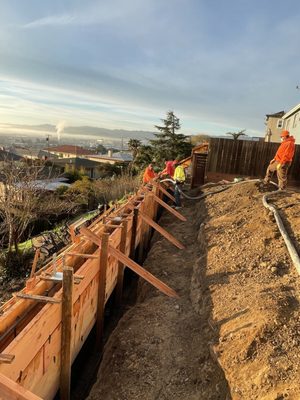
<point>87,167</point>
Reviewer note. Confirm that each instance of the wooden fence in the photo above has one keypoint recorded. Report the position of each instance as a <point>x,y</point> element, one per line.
<point>43,327</point>
<point>245,157</point>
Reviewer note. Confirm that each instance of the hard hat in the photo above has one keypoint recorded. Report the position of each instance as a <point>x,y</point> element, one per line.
<point>285,133</point>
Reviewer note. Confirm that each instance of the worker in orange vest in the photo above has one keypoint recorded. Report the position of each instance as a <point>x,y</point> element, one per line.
<point>149,174</point>
<point>282,160</point>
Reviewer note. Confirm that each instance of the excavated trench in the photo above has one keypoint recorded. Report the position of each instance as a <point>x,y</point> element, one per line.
<point>234,332</point>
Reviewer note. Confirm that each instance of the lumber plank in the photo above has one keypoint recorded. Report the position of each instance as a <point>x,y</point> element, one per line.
<point>120,276</point>
<point>10,390</point>
<point>66,334</point>
<point>35,297</point>
<point>167,207</point>
<point>6,358</point>
<point>72,253</point>
<point>101,290</point>
<point>164,191</point>
<point>142,272</point>
<point>161,230</point>
<point>133,233</point>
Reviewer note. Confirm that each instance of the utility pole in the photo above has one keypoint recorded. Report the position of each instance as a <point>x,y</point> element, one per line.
<point>48,140</point>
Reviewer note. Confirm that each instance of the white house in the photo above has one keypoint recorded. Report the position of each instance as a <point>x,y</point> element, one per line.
<point>291,122</point>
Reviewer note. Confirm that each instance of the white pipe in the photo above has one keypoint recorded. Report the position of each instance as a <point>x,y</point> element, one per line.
<point>291,248</point>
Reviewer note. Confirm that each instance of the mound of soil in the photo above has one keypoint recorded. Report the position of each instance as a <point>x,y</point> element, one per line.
<point>246,279</point>
<point>234,332</point>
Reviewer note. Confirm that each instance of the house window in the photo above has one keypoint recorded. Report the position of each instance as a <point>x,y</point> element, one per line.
<point>279,124</point>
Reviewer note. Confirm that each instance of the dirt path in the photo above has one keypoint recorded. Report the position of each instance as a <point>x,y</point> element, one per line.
<point>161,347</point>
<point>238,315</point>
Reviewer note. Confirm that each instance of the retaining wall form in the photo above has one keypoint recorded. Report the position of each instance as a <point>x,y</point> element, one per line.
<point>31,328</point>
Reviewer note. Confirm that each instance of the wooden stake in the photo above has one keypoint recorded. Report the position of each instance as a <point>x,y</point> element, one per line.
<point>66,333</point>
<point>72,234</point>
<point>34,264</point>
<point>167,207</point>
<point>133,233</point>
<point>142,272</point>
<point>131,264</point>
<point>161,230</point>
<point>164,191</point>
<point>101,289</point>
<point>120,278</point>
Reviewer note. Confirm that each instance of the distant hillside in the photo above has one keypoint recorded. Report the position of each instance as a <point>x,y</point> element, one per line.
<point>84,131</point>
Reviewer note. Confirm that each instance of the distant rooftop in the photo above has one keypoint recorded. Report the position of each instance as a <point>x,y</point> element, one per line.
<point>77,162</point>
<point>119,156</point>
<point>67,148</point>
<point>8,156</point>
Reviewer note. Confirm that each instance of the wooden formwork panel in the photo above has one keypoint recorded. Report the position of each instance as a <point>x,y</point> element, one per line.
<point>37,347</point>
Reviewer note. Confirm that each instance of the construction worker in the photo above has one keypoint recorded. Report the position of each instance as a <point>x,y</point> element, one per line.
<point>282,160</point>
<point>179,178</point>
<point>169,169</point>
<point>149,174</point>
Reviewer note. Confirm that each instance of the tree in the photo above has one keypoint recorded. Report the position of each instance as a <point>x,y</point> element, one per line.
<point>133,146</point>
<point>24,200</point>
<point>236,135</point>
<point>169,144</point>
<point>100,149</point>
<point>144,156</point>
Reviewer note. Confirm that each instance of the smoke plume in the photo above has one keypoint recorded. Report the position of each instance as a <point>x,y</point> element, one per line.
<point>60,128</point>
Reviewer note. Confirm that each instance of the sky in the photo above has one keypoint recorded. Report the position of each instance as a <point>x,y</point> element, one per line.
<point>122,64</point>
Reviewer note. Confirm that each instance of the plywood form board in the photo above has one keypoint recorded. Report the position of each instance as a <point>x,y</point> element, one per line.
<point>37,347</point>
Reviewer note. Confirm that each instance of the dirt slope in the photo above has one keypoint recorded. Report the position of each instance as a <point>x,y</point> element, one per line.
<point>238,314</point>
<point>245,277</point>
<point>160,349</point>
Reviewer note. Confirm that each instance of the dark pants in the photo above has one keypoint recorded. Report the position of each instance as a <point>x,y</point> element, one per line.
<point>281,173</point>
<point>178,187</point>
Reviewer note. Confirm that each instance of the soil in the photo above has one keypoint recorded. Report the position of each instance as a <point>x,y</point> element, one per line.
<point>234,333</point>
<point>8,286</point>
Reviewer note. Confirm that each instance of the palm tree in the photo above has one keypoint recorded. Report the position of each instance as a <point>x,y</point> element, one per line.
<point>133,146</point>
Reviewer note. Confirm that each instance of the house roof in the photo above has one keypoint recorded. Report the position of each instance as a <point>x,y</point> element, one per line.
<point>68,148</point>
<point>117,157</point>
<point>76,162</point>
<point>23,152</point>
<point>8,156</point>
<point>291,112</point>
<point>279,114</point>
